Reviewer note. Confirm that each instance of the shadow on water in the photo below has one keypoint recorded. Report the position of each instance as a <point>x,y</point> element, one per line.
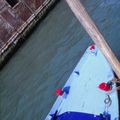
<point>47,58</point>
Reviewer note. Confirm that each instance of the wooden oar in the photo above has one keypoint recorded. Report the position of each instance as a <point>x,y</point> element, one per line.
<point>94,33</point>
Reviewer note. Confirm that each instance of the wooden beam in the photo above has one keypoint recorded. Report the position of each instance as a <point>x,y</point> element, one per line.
<point>94,33</point>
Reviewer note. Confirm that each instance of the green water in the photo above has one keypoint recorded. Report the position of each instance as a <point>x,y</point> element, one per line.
<point>47,58</point>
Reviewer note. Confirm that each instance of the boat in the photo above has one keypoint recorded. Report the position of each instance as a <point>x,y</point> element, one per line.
<point>88,94</point>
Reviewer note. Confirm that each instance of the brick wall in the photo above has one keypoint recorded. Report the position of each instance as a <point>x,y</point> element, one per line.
<point>12,18</point>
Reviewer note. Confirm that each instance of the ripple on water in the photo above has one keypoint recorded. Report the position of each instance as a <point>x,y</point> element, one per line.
<point>106,3</point>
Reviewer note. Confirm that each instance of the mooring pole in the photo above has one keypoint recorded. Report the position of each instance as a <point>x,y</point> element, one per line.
<point>94,33</point>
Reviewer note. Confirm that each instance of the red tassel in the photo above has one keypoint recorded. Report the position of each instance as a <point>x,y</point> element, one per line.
<point>103,86</point>
<point>92,47</point>
<point>59,92</point>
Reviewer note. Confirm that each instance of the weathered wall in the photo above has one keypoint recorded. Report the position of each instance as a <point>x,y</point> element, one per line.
<point>16,20</point>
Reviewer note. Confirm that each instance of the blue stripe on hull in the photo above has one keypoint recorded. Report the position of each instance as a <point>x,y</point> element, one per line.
<point>80,116</point>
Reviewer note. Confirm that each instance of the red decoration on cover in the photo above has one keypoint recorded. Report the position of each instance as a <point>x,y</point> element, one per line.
<point>92,47</point>
<point>103,86</point>
<point>59,92</point>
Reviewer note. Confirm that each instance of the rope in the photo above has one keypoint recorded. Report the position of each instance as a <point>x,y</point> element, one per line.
<point>115,80</point>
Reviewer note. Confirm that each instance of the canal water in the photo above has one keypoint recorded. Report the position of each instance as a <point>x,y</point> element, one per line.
<point>47,58</point>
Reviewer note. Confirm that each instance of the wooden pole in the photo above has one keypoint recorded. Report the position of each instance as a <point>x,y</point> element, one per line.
<point>94,33</point>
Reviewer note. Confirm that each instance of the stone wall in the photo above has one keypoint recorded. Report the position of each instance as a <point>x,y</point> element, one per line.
<point>17,20</point>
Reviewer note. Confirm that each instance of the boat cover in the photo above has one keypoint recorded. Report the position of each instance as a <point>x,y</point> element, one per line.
<point>84,98</point>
